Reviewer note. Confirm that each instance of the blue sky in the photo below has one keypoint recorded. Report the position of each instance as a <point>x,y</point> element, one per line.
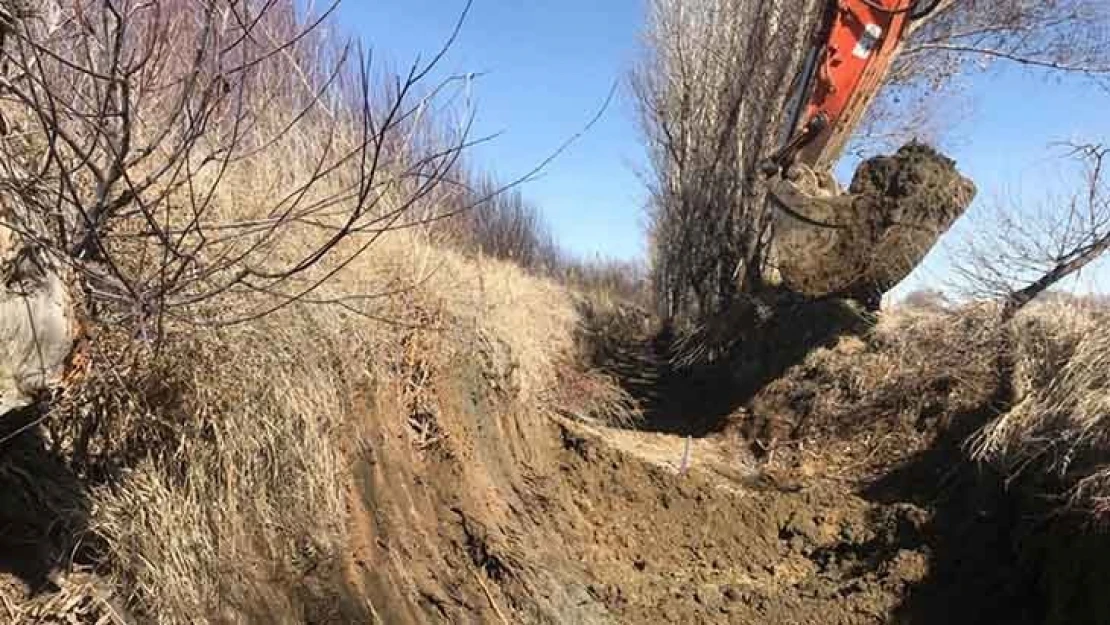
<point>548,65</point>
<point>1005,142</point>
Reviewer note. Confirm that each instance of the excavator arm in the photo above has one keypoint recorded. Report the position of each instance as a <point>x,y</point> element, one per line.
<point>853,49</point>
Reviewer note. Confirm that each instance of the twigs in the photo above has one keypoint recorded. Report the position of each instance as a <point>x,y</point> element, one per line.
<point>1024,252</point>
<point>142,115</point>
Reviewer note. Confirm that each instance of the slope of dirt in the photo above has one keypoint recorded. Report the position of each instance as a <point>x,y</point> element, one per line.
<point>618,534</point>
<point>837,493</point>
<point>588,524</point>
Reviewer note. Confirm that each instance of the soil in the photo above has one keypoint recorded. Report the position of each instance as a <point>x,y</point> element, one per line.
<point>530,519</point>
<point>862,243</point>
<point>508,516</point>
<point>699,548</point>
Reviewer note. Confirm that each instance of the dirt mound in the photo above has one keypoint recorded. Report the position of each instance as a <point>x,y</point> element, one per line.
<point>598,525</point>
<point>664,547</point>
<point>514,517</point>
<point>855,501</point>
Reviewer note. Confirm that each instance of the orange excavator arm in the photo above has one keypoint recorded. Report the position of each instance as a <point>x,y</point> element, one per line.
<point>854,48</point>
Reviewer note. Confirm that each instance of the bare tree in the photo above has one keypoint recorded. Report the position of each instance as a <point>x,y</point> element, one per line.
<point>186,163</point>
<point>127,121</point>
<point>1063,35</point>
<point>712,91</point>
<point>1023,253</point>
<point>505,225</point>
<point>968,37</point>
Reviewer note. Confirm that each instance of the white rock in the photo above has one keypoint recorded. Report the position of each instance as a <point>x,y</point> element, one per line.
<point>37,324</point>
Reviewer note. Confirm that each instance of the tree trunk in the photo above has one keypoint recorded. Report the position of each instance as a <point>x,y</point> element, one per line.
<point>1018,299</point>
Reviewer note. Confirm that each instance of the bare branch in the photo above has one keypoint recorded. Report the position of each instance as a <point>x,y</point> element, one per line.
<point>1020,255</point>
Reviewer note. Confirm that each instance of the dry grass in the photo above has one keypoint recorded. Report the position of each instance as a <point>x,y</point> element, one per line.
<point>913,371</point>
<point>1030,398</point>
<point>1057,434</point>
<point>610,340</point>
<point>223,459</point>
<point>80,598</point>
<point>212,463</point>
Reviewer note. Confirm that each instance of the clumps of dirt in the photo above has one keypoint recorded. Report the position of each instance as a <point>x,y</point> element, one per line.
<point>905,202</point>
<point>898,413</point>
<point>683,548</point>
<point>895,210</point>
<point>868,400</point>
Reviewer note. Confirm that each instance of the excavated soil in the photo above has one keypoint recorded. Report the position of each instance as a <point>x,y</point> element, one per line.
<point>525,519</point>
<point>862,509</point>
<point>618,532</point>
<point>865,241</point>
<point>500,515</point>
<point>662,547</point>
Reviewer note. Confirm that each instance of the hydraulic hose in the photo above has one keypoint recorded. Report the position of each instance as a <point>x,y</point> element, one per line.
<point>923,8</point>
<point>917,10</point>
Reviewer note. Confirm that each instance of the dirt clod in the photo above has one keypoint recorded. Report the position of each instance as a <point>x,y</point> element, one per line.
<point>893,213</point>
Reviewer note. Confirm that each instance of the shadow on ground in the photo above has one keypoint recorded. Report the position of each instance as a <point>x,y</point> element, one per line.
<point>690,384</point>
<point>975,569</point>
<point>997,553</point>
<point>43,506</point>
<point>995,550</point>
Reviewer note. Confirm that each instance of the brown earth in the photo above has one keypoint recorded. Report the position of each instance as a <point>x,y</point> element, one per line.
<point>837,492</point>
<point>616,534</point>
<point>864,510</point>
<point>862,242</point>
<point>515,518</point>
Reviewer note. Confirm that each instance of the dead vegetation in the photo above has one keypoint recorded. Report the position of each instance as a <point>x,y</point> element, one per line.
<point>1056,435</point>
<point>1026,397</point>
<point>216,471</point>
<point>254,232</point>
<point>330,416</point>
<point>140,155</point>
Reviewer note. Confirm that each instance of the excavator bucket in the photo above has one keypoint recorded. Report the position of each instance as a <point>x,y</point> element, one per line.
<point>854,48</point>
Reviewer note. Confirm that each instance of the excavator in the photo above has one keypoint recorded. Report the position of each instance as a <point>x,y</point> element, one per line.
<point>853,49</point>
<point>828,242</point>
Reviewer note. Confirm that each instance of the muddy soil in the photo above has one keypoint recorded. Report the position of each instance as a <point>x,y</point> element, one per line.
<point>699,548</point>
<point>861,242</point>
